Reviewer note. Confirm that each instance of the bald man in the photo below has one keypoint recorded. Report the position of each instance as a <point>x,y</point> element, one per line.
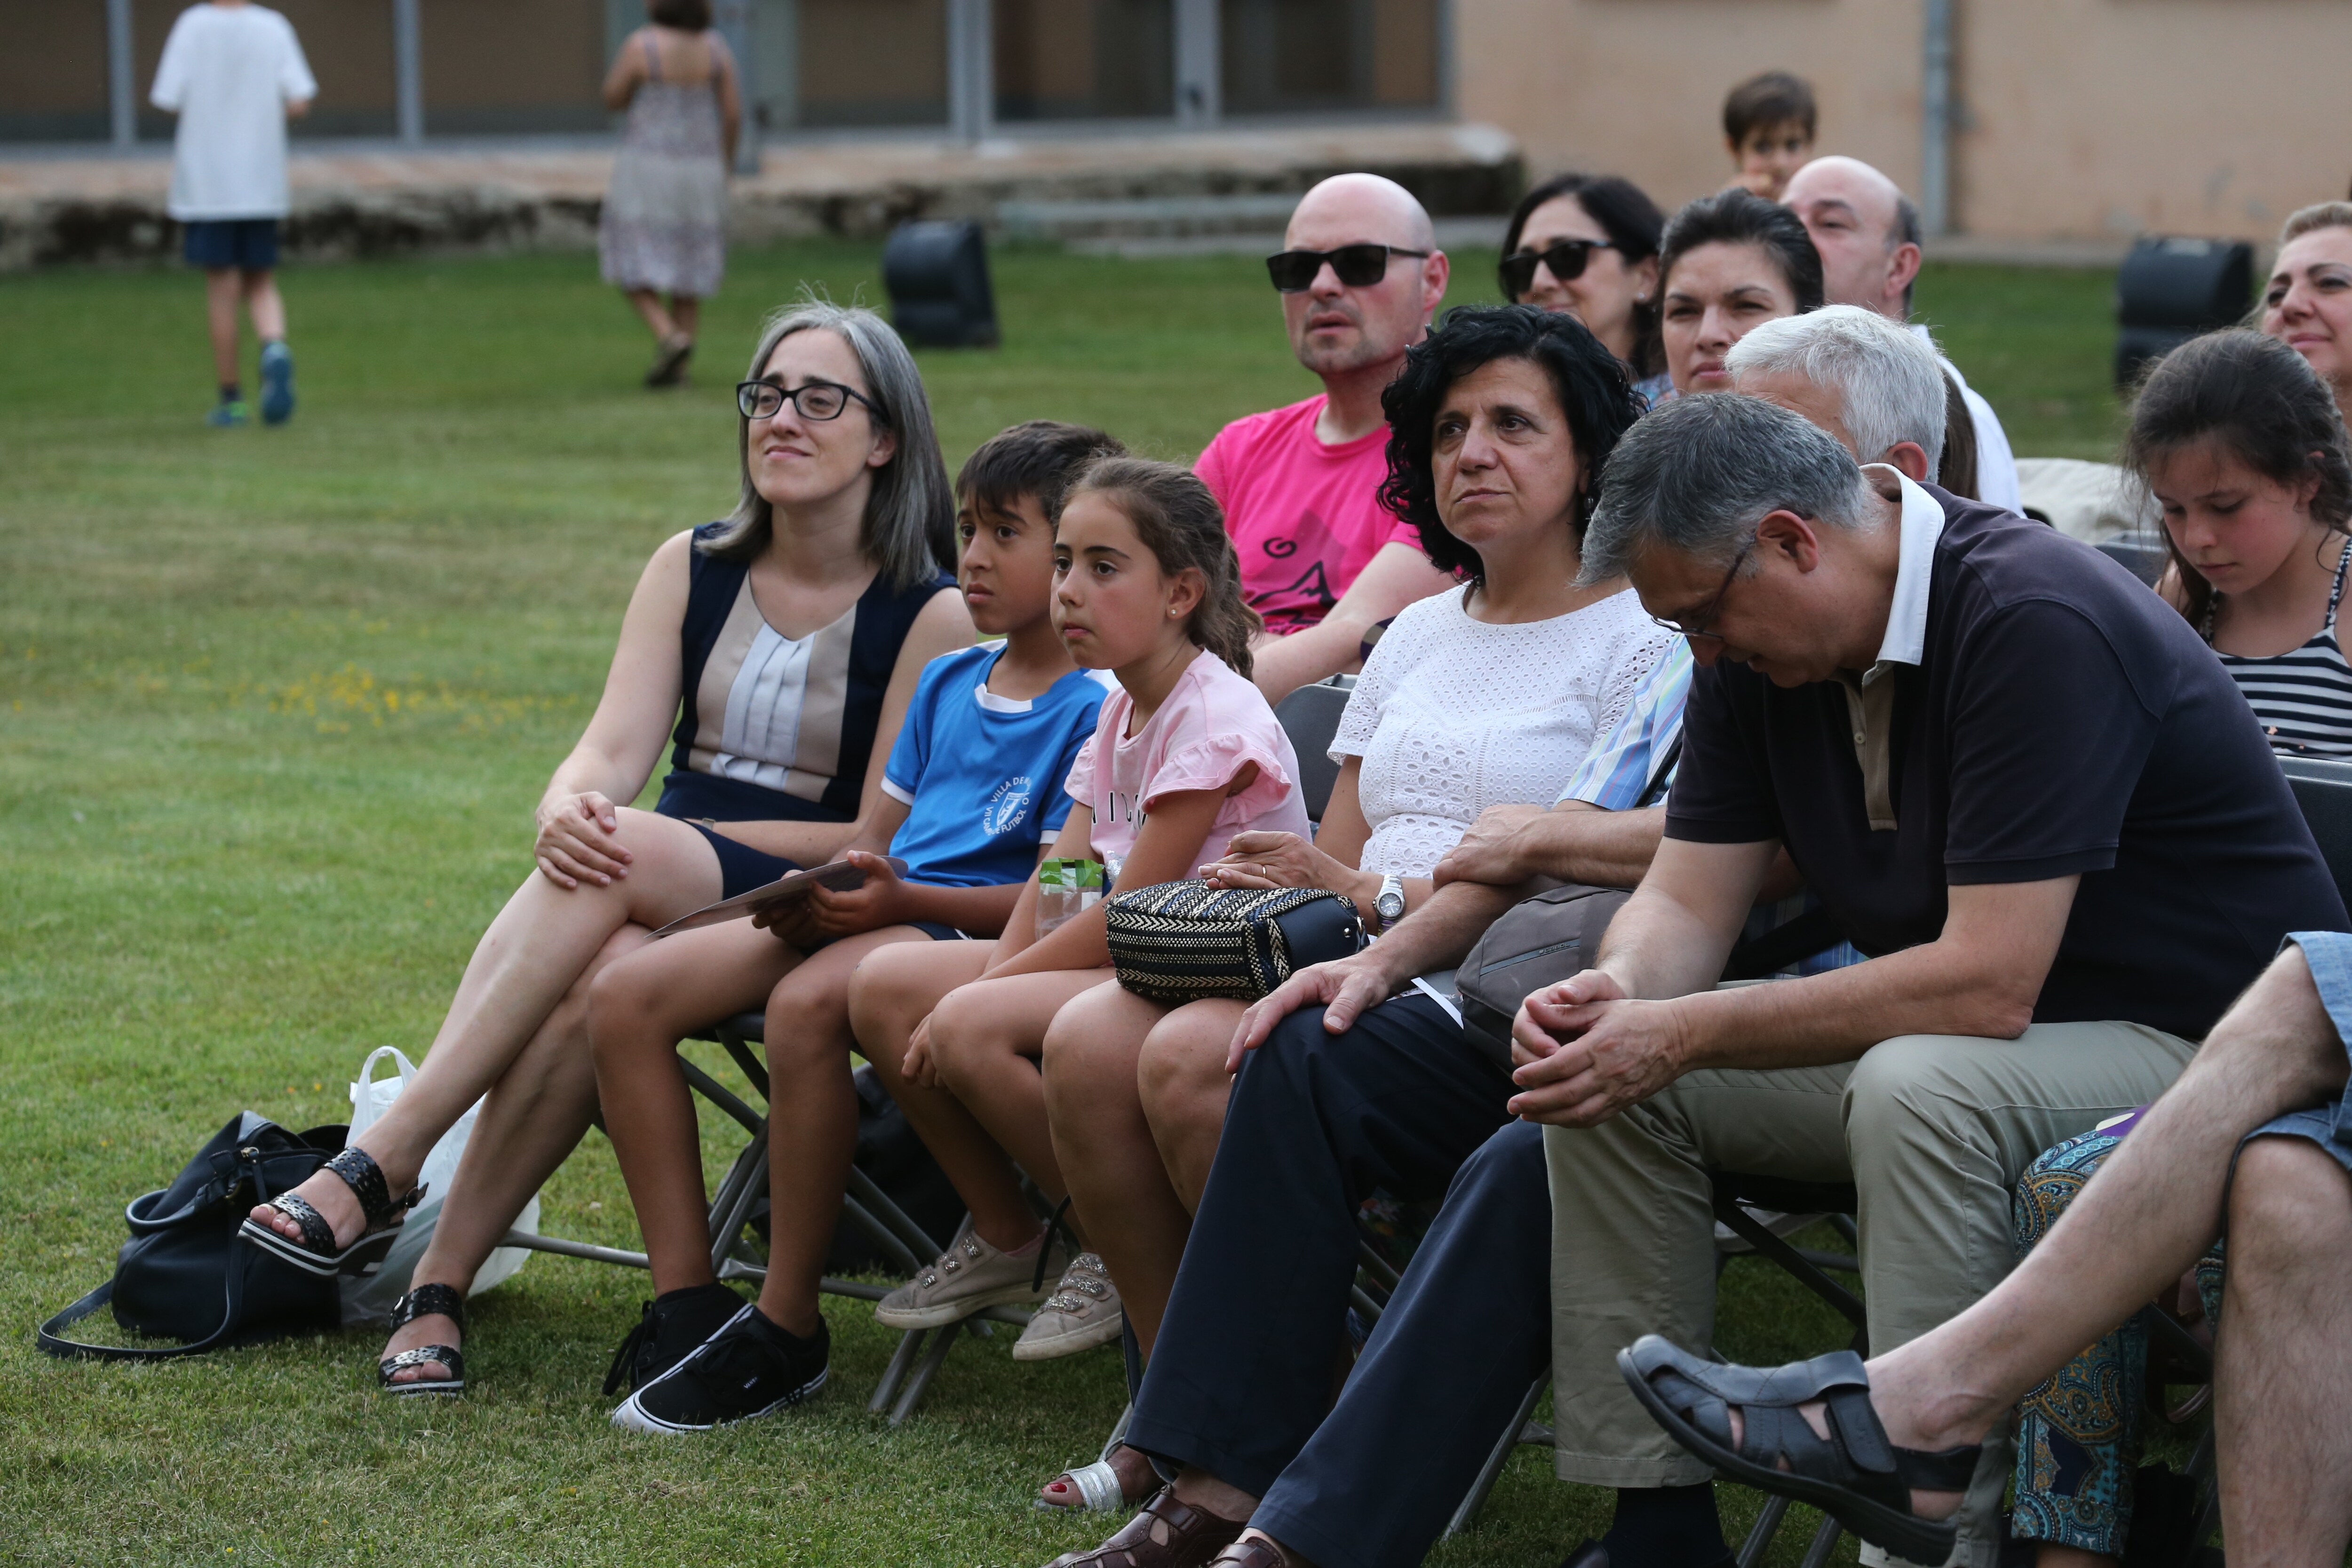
<point>1867,231</point>
<point>1359,276</point>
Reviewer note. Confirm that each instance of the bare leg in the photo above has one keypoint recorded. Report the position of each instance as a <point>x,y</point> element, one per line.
<point>649,309</point>
<point>533,1118</point>
<point>1103,1146</point>
<point>686,310</point>
<point>986,1038</point>
<point>535,952</point>
<point>2283,1377</point>
<point>638,1010</point>
<point>1185,1087</point>
<point>265,305</point>
<point>811,1121</point>
<point>221,287</point>
<point>2151,1211</point>
<point>893,991</point>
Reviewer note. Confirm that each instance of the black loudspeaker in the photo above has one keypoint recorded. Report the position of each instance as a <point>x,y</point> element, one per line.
<point>2169,289</point>
<point>937,276</point>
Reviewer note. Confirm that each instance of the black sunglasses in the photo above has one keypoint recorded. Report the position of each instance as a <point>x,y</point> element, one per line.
<point>1565,259</point>
<point>816,400</point>
<point>1357,266</point>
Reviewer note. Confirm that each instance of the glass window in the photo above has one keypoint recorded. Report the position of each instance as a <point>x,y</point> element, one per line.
<point>53,74</point>
<point>846,63</point>
<point>1292,57</point>
<point>1085,59</point>
<point>500,68</point>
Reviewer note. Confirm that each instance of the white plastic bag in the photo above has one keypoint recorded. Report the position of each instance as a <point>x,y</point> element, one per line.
<point>368,1299</point>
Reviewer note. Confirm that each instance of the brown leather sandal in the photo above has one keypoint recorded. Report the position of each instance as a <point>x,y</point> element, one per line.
<point>1166,1534</point>
<point>1250,1553</point>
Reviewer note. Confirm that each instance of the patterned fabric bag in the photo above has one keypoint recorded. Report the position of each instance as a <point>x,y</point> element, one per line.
<point>1179,942</point>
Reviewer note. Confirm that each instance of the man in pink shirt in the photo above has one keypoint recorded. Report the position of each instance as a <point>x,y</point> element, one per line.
<point>1361,275</point>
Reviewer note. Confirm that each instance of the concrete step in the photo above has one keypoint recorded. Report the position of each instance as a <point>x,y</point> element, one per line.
<point>1189,188</point>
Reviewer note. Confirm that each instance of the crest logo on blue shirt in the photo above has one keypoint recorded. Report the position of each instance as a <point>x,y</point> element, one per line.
<point>1007,805</point>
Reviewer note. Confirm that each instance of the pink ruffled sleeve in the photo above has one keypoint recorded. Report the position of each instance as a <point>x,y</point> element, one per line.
<point>1211,763</point>
<point>1080,785</point>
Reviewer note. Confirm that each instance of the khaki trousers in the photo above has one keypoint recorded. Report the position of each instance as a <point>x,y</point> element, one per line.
<point>1933,1129</point>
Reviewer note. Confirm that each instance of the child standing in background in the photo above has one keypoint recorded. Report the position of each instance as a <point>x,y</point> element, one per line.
<point>1769,124</point>
<point>234,73</point>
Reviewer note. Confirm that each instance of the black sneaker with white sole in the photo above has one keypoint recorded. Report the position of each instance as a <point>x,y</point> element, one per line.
<point>673,1325</point>
<point>748,1368</point>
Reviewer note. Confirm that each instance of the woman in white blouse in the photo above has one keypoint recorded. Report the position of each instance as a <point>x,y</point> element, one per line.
<point>1489,694</point>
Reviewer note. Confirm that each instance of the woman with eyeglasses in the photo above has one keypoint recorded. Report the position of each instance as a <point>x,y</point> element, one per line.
<point>1588,245</point>
<point>776,651</point>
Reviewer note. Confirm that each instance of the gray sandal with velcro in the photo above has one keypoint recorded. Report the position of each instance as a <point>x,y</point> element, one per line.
<point>1857,1475</point>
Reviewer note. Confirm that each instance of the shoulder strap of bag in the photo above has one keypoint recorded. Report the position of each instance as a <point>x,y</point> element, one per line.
<point>51,1339</point>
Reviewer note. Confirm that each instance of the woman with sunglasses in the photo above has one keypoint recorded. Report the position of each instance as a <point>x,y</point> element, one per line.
<point>778,649</point>
<point>1588,245</point>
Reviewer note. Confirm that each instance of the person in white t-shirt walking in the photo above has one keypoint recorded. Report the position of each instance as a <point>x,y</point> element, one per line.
<point>234,73</point>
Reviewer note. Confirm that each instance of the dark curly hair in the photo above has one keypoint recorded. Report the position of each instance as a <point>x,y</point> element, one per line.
<point>1742,218</point>
<point>1591,384</point>
<point>2265,405</point>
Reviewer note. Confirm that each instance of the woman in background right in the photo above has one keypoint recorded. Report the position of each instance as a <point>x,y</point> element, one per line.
<point>2240,444</point>
<point>1588,245</point>
<point>2307,304</point>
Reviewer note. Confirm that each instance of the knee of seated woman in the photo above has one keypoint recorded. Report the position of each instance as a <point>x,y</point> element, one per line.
<point>622,1001</point>
<point>1184,1054</point>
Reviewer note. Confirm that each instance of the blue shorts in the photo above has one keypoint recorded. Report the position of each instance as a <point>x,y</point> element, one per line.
<point>742,868</point>
<point>250,242</point>
<point>2329,956</point>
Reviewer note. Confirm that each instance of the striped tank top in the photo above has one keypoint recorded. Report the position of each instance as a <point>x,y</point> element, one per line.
<point>2303,697</point>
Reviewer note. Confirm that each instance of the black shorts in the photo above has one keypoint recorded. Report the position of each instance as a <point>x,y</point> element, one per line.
<point>742,868</point>
<point>250,242</point>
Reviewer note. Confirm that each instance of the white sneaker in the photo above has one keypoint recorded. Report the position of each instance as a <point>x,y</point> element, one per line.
<point>1083,1311</point>
<point>969,1277</point>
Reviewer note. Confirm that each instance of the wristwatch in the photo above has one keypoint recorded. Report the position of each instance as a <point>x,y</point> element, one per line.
<point>1389,904</point>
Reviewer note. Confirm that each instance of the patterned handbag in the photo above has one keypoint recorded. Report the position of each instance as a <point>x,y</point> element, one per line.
<point>1179,942</point>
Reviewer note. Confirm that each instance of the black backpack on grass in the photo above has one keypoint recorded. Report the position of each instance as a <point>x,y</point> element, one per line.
<point>183,1276</point>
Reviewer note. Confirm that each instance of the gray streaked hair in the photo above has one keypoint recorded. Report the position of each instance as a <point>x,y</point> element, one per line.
<point>1697,475</point>
<point>909,526</point>
<point>1889,387</point>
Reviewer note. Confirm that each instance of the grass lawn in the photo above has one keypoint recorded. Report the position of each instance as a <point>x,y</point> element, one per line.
<point>275,705</point>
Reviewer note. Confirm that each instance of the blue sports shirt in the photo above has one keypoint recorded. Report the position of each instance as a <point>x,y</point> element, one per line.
<point>981,775</point>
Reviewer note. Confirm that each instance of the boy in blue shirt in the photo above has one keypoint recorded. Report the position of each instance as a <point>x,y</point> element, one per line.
<point>971,796</point>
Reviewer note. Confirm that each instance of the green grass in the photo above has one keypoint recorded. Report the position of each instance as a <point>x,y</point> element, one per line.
<point>274,708</point>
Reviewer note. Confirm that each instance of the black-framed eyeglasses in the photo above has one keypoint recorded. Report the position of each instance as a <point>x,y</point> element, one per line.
<point>1564,258</point>
<point>816,400</point>
<point>1357,266</point>
<point>1697,626</point>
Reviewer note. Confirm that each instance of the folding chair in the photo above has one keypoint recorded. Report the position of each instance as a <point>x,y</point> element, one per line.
<point>741,1201</point>
<point>1310,717</point>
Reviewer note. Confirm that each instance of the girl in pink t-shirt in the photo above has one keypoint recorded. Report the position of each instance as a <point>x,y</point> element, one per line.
<point>1185,755</point>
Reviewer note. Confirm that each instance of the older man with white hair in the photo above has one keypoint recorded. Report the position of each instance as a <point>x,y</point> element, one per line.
<point>1322,560</point>
<point>1867,232</point>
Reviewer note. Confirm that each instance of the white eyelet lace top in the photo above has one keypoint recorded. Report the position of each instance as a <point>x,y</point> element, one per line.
<point>1453,715</point>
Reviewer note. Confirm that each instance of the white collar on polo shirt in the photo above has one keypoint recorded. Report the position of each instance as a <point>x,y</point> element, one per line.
<point>1907,620</point>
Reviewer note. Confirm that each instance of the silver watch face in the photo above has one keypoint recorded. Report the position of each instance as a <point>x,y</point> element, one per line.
<point>1391,906</point>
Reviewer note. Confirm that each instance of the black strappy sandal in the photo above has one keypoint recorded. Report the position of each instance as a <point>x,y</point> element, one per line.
<point>315,1253</point>
<point>423,1302</point>
<point>1857,1475</point>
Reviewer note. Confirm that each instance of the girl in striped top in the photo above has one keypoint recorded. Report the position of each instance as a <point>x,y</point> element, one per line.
<point>2241,446</point>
